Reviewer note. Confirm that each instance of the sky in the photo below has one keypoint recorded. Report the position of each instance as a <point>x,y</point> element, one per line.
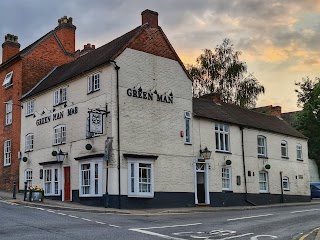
<point>279,40</point>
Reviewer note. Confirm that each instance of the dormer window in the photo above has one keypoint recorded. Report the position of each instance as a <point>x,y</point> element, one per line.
<point>8,80</point>
<point>59,96</point>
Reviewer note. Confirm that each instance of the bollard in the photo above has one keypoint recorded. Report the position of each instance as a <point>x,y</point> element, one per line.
<point>14,190</point>
<point>25,191</point>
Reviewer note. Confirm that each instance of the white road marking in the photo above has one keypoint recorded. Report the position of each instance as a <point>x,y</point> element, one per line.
<point>156,234</point>
<point>61,214</point>
<point>40,209</point>
<point>72,216</point>
<point>263,236</point>
<point>114,226</point>
<point>232,237</point>
<point>173,226</point>
<point>100,222</point>
<point>86,219</point>
<point>310,210</point>
<point>234,219</point>
<point>51,211</point>
<point>144,230</point>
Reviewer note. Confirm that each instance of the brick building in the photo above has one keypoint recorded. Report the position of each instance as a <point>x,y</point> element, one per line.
<point>20,71</point>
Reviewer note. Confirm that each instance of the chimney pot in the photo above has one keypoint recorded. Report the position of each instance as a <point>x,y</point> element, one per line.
<point>10,47</point>
<point>150,17</point>
<point>93,46</point>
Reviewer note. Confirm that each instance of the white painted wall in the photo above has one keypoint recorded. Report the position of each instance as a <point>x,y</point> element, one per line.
<point>314,173</point>
<point>204,136</point>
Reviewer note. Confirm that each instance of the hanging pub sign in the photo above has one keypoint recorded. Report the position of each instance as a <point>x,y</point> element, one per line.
<point>150,95</point>
<point>96,122</point>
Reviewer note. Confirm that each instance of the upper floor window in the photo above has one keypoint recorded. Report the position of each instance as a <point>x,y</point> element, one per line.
<point>9,112</point>
<point>262,146</point>
<point>263,182</point>
<point>285,183</point>
<point>222,137</point>
<point>299,152</point>
<point>7,82</point>
<point>29,142</point>
<point>187,125</point>
<point>7,152</point>
<point>284,149</point>
<point>59,96</point>
<point>94,83</point>
<point>29,107</point>
<point>59,134</point>
<point>226,178</point>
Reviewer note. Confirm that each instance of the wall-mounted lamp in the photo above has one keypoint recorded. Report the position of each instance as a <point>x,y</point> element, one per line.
<point>43,111</point>
<point>205,153</point>
<point>65,103</point>
<point>14,104</point>
<point>61,156</point>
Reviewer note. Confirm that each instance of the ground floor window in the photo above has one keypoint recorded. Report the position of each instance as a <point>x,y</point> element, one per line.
<point>226,178</point>
<point>28,177</point>
<point>263,182</point>
<point>51,181</point>
<point>140,178</point>
<point>90,176</point>
<point>285,183</point>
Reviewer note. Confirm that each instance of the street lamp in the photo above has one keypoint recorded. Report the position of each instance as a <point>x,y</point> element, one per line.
<point>61,156</point>
<point>205,153</point>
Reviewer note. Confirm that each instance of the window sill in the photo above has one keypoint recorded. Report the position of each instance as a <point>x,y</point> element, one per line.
<point>89,195</point>
<point>264,192</point>
<point>59,104</point>
<point>93,91</point>
<point>8,125</point>
<point>57,144</point>
<point>52,195</point>
<point>227,190</point>
<point>141,196</point>
<point>29,115</point>
<point>8,87</point>
<point>286,190</point>
<point>225,152</point>
<point>263,157</point>
<point>284,157</point>
<point>186,143</point>
<point>28,151</point>
<point>7,165</point>
<point>301,160</point>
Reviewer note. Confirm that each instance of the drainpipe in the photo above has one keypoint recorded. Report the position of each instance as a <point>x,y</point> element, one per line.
<point>244,167</point>
<point>281,184</point>
<point>116,67</point>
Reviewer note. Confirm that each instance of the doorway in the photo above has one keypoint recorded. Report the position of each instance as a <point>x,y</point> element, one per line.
<point>201,182</point>
<point>67,184</point>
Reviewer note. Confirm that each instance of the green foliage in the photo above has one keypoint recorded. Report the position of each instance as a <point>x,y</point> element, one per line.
<point>308,120</point>
<point>222,72</point>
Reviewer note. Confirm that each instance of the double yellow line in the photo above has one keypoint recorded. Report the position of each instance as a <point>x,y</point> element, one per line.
<point>306,235</point>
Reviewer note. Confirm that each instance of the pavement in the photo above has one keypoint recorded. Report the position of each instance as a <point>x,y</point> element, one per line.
<point>73,206</point>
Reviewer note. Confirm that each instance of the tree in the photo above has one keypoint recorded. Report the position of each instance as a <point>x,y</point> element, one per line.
<point>308,120</point>
<point>222,72</point>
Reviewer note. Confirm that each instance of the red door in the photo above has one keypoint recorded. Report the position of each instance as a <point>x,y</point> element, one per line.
<point>66,183</point>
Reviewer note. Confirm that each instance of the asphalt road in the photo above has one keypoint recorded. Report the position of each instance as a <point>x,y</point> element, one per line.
<point>24,223</point>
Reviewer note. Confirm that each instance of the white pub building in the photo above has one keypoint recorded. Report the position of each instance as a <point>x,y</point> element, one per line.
<point>118,127</point>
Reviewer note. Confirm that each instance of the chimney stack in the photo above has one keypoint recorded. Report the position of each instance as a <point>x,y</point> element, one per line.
<point>150,17</point>
<point>276,111</point>
<point>86,49</point>
<point>10,47</point>
<point>66,33</point>
<point>215,97</point>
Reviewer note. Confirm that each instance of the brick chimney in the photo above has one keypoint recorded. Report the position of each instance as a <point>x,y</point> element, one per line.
<point>215,97</point>
<point>86,49</point>
<point>10,47</point>
<point>150,17</point>
<point>66,32</point>
<point>276,111</point>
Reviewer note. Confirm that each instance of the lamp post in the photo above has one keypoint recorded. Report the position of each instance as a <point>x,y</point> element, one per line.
<point>61,156</point>
<point>205,153</point>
